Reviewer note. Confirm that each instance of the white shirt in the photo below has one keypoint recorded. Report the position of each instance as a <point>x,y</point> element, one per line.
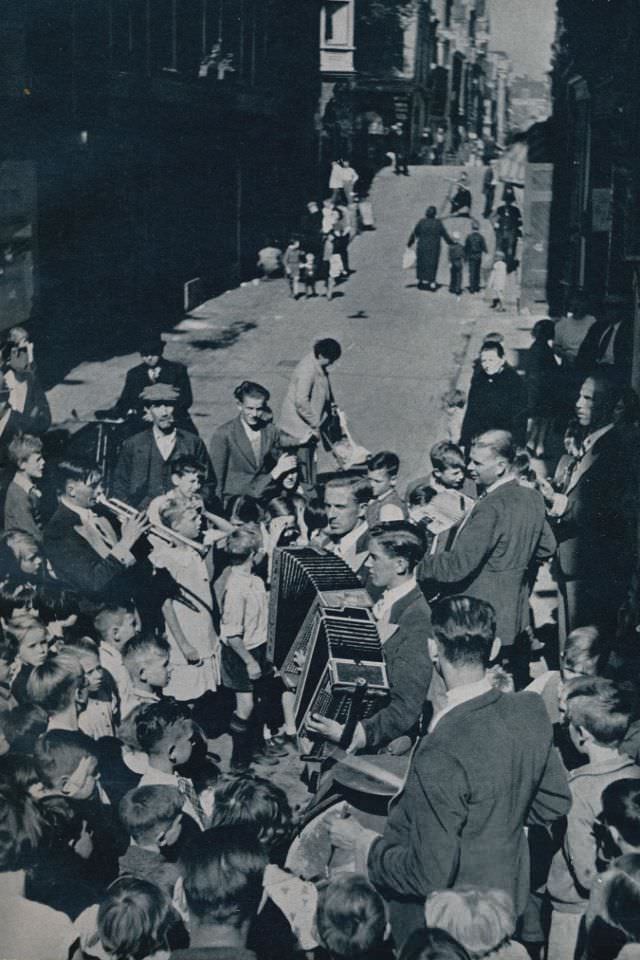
<point>255,439</point>
<point>561,500</point>
<point>388,511</point>
<point>346,546</point>
<point>382,609</point>
<point>165,442</point>
<point>17,391</point>
<point>458,695</point>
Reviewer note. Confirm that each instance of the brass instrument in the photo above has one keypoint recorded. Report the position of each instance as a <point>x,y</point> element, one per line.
<point>123,512</point>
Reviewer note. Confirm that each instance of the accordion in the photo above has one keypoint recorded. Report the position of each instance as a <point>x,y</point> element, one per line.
<point>300,577</point>
<point>343,648</point>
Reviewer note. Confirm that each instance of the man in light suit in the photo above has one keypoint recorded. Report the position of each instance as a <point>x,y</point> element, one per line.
<point>143,470</point>
<point>595,517</point>
<point>404,625</point>
<point>306,406</point>
<point>245,451</point>
<point>485,770</point>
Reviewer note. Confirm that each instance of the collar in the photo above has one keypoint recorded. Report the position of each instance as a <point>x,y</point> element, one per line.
<point>252,435</point>
<point>389,597</point>
<point>460,695</point>
<point>499,483</point>
<point>384,495</point>
<point>110,650</point>
<point>592,438</point>
<point>25,483</point>
<point>86,515</point>
<point>350,539</point>
<point>164,439</point>
<point>617,761</point>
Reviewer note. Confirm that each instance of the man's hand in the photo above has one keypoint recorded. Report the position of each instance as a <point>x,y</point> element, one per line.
<point>546,490</point>
<point>286,463</point>
<point>344,831</point>
<point>253,668</point>
<point>329,729</point>
<point>133,529</point>
<point>190,654</point>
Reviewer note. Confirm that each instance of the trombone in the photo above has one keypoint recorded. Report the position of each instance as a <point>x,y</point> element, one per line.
<point>123,512</point>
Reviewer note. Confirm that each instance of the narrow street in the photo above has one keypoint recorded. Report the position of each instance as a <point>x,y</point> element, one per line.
<point>401,347</point>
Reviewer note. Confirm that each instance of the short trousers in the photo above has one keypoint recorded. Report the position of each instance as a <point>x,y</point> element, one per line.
<point>234,671</point>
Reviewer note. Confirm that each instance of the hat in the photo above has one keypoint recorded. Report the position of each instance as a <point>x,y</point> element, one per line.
<point>159,393</point>
<point>151,344</point>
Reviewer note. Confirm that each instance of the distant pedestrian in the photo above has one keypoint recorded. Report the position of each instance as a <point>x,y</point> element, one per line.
<point>489,184</point>
<point>498,281</point>
<point>270,260</point>
<point>474,246</point>
<point>461,199</point>
<point>508,226</point>
<point>428,233</point>
<point>292,261</point>
<point>456,265</point>
<point>308,275</point>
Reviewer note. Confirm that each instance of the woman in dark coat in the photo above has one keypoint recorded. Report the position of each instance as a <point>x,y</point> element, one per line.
<point>428,233</point>
<point>497,398</point>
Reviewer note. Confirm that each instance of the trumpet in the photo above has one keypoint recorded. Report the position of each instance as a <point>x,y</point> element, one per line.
<point>123,512</point>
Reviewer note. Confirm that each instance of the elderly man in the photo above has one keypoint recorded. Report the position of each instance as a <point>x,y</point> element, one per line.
<point>143,470</point>
<point>503,534</point>
<point>485,770</point>
<point>595,517</point>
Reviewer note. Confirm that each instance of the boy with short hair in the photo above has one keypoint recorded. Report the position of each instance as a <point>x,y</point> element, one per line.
<point>97,718</point>
<point>621,813</point>
<point>599,712</point>
<point>23,496</point>
<point>382,474</point>
<point>292,261</point>
<point>58,686</point>
<point>448,466</point>
<point>243,630</point>
<point>116,624</point>
<point>165,732</point>
<point>146,658</point>
<point>456,265</point>
<point>153,818</point>
<point>351,921</point>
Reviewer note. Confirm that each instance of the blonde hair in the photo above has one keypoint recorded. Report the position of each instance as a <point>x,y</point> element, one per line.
<point>481,920</point>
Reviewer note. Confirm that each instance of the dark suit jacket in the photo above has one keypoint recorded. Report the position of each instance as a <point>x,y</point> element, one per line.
<point>76,563</point>
<point>138,378</point>
<point>234,463</point>
<point>409,669</point>
<point>506,531</point>
<point>596,532</point>
<point>586,360</point>
<point>141,474</point>
<point>487,769</point>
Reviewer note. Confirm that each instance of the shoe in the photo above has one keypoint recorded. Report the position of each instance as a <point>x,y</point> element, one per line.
<point>264,760</point>
<point>271,749</point>
<point>239,766</point>
<point>286,740</point>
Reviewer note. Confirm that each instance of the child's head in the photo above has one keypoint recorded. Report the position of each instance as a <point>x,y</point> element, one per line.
<point>350,919</point>
<point>187,475</point>
<point>315,515</point>
<point>242,544</point>
<point>23,725</point>
<point>447,462</point>
<point>294,241</point>
<point>134,919</point>
<point>283,510</point>
<point>382,471</point>
<point>20,829</point>
<point>58,684</point>
<point>152,815</point>
<point>67,763</point>
<point>165,731</point>
<point>598,711</point>
<point>418,501</point>
<point>543,331</point>
<point>25,553</point>
<point>582,653</point>
<point>117,624</point>
<point>181,518</point>
<point>146,659</point>
<point>621,813</point>
<point>8,654</point>
<point>25,451</point>
<point>33,647</point>
<point>250,801</point>
<point>481,920</point>
<point>85,650</point>
<point>223,873</point>
<point>432,944</point>
<point>244,509</point>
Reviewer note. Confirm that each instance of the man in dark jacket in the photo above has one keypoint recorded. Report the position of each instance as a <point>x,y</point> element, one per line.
<point>485,770</point>
<point>474,246</point>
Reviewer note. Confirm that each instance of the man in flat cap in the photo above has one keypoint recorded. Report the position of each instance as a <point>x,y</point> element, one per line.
<point>144,466</point>
<point>153,369</point>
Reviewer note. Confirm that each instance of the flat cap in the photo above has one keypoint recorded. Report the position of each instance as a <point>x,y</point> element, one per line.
<point>159,393</point>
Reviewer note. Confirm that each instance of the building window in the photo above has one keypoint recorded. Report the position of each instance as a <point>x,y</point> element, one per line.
<point>336,23</point>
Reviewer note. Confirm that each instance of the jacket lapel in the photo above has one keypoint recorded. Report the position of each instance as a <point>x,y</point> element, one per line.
<point>241,441</point>
<point>402,605</point>
<point>586,463</point>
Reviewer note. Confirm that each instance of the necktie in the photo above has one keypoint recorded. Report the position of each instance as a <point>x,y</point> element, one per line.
<point>188,791</point>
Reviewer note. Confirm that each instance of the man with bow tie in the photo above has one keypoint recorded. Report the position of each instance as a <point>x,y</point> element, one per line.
<point>86,553</point>
<point>595,517</point>
<point>404,624</point>
<point>153,369</point>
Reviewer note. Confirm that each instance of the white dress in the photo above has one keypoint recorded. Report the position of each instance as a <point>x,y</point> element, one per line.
<point>191,572</point>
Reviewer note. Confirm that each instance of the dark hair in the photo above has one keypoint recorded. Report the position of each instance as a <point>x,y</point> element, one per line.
<point>8,647</point>
<point>20,828</point>
<point>186,464</point>
<point>430,213</point>
<point>250,389</point>
<point>494,346</point>
<point>421,494</point>
<point>245,508</point>
<point>350,918</point>
<point>146,809</point>
<point>433,944</point>
<point>573,430</point>
<point>23,725</point>
<point>399,538</point>
<point>500,442</point>
<point>608,390</point>
<point>328,348</point>
<point>75,470</point>
<point>543,330</point>
<point>522,466</point>
<point>250,801</point>
<point>604,708</point>
<point>445,454</point>
<point>465,627</point>
<point>223,872</point>
<point>359,486</point>
<point>385,460</point>
<point>621,809</point>
<point>315,515</point>
<point>155,719</point>
<point>620,893</point>
<point>134,919</point>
